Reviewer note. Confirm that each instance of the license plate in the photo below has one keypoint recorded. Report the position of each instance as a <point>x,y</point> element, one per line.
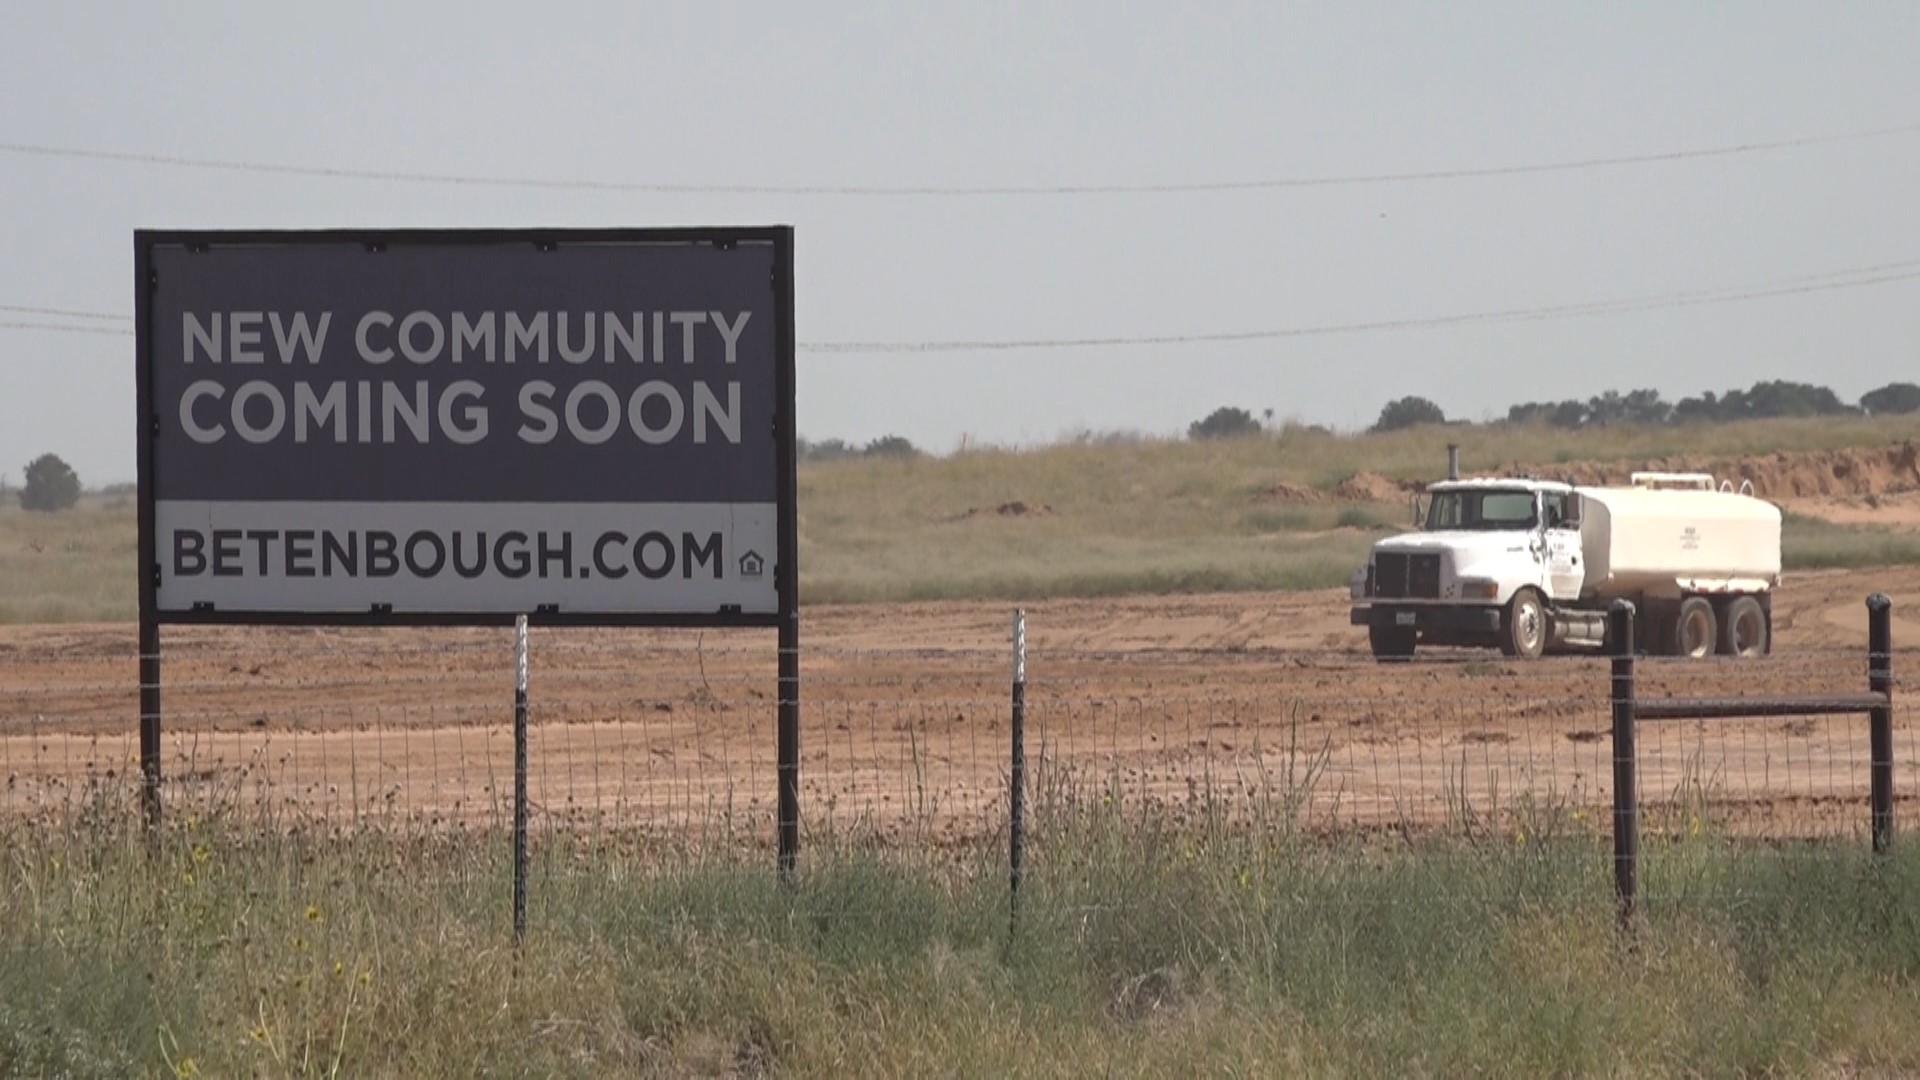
<point>1403,618</point>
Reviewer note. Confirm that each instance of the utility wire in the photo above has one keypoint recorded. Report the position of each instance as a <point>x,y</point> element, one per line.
<point>1894,272</point>
<point>1828,281</point>
<point>109,331</point>
<point>180,161</point>
<point>65,313</point>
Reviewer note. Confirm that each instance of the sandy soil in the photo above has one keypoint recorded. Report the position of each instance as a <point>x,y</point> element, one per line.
<point>1899,512</point>
<point>1241,703</point>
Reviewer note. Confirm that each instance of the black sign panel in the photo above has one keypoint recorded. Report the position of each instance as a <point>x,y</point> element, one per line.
<point>586,426</point>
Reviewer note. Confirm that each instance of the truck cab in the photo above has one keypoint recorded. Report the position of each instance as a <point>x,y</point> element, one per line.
<point>1486,560</point>
<point>1528,565</point>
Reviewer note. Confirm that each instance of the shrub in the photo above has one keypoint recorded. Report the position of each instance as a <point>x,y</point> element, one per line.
<point>1409,412</point>
<point>891,446</point>
<point>51,484</point>
<point>1225,422</point>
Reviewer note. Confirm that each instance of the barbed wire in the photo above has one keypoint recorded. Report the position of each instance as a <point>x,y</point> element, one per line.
<point>378,641</point>
<point>1157,685</point>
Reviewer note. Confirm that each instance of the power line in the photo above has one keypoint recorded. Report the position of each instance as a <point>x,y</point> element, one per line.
<point>1533,314</point>
<point>910,191</point>
<point>57,328</point>
<point>1826,281</point>
<point>64,313</point>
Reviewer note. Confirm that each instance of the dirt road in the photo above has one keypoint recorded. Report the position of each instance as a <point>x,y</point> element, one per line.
<point>1242,703</point>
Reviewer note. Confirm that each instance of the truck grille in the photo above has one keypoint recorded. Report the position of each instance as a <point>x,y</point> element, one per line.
<point>1399,576</point>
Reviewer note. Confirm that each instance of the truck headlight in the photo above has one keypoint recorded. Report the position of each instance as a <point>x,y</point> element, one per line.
<point>1479,589</point>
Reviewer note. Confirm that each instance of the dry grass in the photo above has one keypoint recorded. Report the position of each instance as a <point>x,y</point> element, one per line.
<point>1144,947</point>
<point>76,566</point>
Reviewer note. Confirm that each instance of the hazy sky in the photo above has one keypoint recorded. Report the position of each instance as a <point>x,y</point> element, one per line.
<point>1030,96</point>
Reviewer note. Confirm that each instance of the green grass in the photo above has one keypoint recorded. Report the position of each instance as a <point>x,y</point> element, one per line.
<point>1144,948</point>
<point>1086,518</point>
<point>1179,516</point>
<point>1809,543</point>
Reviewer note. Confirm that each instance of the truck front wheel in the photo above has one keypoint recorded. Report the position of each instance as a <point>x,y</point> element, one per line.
<point>1391,643</point>
<point>1523,626</point>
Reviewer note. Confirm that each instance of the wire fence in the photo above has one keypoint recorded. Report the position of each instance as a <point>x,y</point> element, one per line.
<point>672,735</point>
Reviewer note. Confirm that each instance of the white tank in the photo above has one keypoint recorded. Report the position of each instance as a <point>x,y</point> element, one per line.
<point>1669,534</point>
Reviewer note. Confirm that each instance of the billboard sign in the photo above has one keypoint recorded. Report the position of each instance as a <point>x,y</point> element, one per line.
<point>586,426</point>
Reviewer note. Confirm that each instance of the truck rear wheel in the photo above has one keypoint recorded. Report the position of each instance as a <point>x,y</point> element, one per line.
<point>1697,631</point>
<point>1523,626</point>
<point>1391,642</point>
<point>1743,629</point>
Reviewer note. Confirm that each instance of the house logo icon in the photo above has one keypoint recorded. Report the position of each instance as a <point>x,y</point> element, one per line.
<point>752,565</point>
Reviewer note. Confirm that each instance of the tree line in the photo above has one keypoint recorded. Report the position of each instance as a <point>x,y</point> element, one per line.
<point>1762,400</point>
<point>886,446</point>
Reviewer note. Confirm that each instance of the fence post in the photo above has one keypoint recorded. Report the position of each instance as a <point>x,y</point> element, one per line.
<point>519,779</point>
<point>1880,718</point>
<point>1626,800</point>
<point>150,719</point>
<point>1017,831</point>
<point>787,746</point>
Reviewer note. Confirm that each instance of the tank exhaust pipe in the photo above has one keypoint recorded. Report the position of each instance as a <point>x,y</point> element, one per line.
<point>1453,461</point>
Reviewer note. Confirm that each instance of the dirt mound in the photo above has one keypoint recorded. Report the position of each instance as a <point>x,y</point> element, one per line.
<point>1365,486</point>
<point>1816,474</point>
<point>1888,470</point>
<point>1295,495</point>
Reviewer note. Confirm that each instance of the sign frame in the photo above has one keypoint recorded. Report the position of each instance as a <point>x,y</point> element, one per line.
<point>786,617</point>
<point>786,555</point>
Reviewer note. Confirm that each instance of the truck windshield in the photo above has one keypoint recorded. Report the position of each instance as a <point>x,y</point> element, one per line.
<point>1481,510</point>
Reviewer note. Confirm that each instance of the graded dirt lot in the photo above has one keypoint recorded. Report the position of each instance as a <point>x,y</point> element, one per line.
<point>1241,703</point>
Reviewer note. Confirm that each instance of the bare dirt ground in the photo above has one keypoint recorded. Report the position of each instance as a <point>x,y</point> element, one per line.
<point>1243,703</point>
